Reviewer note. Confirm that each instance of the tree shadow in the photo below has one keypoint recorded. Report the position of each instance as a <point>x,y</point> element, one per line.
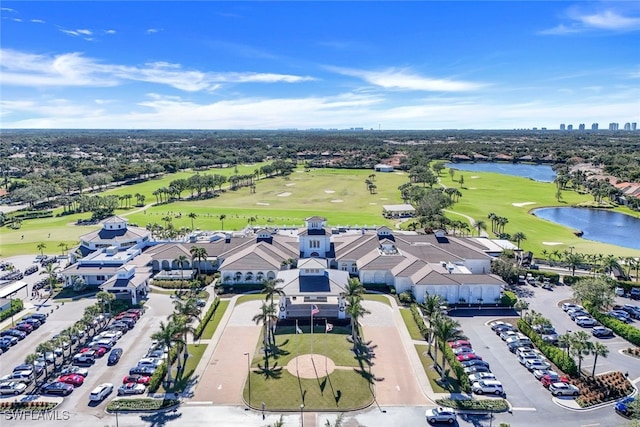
<point>273,372</point>
<point>158,419</point>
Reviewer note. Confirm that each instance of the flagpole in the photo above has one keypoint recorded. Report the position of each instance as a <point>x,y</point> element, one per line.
<point>298,342</point>
<point>311,333</point>
<point>326,350</point>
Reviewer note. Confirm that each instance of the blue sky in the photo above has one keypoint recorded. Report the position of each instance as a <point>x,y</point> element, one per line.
<point>297,64</point>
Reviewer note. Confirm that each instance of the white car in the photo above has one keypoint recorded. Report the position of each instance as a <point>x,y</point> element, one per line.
<point>488,387</point>
<point>586,321</point>
<point>539,373</point>
<point>100,392</point>
<point>150,361</point>
<point>568,306</point>
<point>72,369</point>
<point>537,364</point>
<point>473,378</point>
<point>131,388</point>
<point>440,415</point>
<point>111,335</point>
<point>462,350</point>
<point>507,334</point>
<point>563,389</point>
<point>494,325</point>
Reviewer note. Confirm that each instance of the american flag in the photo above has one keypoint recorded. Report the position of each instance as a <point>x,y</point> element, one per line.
<point>314,309</point>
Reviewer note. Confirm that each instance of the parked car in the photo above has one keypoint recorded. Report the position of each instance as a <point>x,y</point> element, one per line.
<point>503,328</point>
<point>138,379</point>
<point>35,323</point>
<point>623,406</point>
<point>459,343</point>
<point>100,392</point>
<point>114,356</point>
<point>487,387</point>
<point>82,359</point>
<point>634,293</point>
<point>586,321</point>
<point>507,334</point>
<point>532,365</point>
<point>474,362</point>
<point>150,361</point>
<point>12,387</point>
<point>24,327</point>
<point>72,369</point>
<point>578,313</point>
<point>620,315</point>
<point>40,317</point>
<point>9,340</point>
<point>496,324</point>
<point>119,326</point>
<point>73,379</point>
<point>57,387</point>
<point>21,376</point>
<point>526,356</point>
<point>476,369</point>
<point>12,332</point>
<point>551,378</point>
<point>568,306</point>
<point>142,370</point>
<point>462,350</point>
<point>440,415</point>
<point>633,310</point>
<point>563,389</point>
<point>131,388</point>
<point>35,369</point>
<point>468,356</point>
<point>601,331</point>
<point>481,376</point>
<point>520,344</point>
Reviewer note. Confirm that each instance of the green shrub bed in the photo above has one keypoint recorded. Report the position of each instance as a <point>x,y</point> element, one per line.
<point>16,307</point>
<point>489,405</point>
<point>141,404</point>
<point>206,318</point>
<point>457,367</point>
<point>628,332</point>
<point>508,299</point>
<point>556,355</point>
<point>8,406</point>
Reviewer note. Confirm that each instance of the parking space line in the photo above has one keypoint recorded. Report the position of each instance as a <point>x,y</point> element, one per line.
<point>523,409</point>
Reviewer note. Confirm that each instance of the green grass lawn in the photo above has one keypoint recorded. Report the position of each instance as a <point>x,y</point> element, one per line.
<point>374,297</point>
<point>250,297</point>
<point>211,327</point>
<point>450,385</point>
<point>341,390</point>
<point>182,382</point>
<point>411,324</point>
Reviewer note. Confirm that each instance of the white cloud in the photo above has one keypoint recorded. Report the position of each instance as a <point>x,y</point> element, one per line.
<point>38,21</point>
<point>110,32</point>
<point>7,9</point>
<point>406,80</point>
<point>152,30</point>
<point>17,19</point>
<point>78,33</point>
<point>603,20</point>
<point>73,69</point>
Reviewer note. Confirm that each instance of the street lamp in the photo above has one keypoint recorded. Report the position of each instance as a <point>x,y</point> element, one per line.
<point>249,376</point>
<point>116,407</point>
<point>301,415</point>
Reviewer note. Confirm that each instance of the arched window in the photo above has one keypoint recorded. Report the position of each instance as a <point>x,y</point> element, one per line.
<point>260,276</point>
<point>271,275</point>
<point>238,276</point>
<point>248,277</point>
<point>344,266</point>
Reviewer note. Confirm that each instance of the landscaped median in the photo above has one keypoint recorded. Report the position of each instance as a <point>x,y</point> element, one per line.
<point>484,405</point>
<point>141,404</point>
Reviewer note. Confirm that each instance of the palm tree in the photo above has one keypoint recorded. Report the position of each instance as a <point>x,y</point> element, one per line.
<point>598,349</point>
<point>41,246</point>
<point>271,290</point>
<point>43,348</point>
<point>222,217</point>
<point>264,317</point>
<point>518,237</point>
<point>574,260</point>
<point>354,288</point>
<point>580,347</point>
<point>479,225</point>
<point>609,264</point>
<point>193,216</point>
<point>355,310</point>
<point>63,247</point>
<point>181,261</point>
<point>520,306</point>
<point>445,329</point>
<point>31,359</point>
<point>105,298</point>
<point>52,276</point>
<point>431,308</point>
<point>166,336</point>
<point>198,254</point>
<point>564,341</point>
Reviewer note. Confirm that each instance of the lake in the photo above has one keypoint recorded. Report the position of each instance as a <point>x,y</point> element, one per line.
<point>543,173</point>
<point>600,225</point>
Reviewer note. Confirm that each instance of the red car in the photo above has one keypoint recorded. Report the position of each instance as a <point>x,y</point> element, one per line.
<point>138,379</point>
<point>468,356</point>
<point>24,327</point>
<point>459,343</point>
<point>547,380</point>
<point>73,379</point>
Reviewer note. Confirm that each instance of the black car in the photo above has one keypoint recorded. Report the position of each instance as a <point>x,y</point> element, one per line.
<point>114,356</point>
<point>474,362</point>
<point>634,293</point>
<point>13,333</point>
<point>38,316</point>
<point>142,370</point>
<point>33,322</point>
<point>58,387</point>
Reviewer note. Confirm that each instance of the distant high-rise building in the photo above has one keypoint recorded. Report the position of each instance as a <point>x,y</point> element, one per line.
<point>634,126</point>
<point>562,126</point>
<point>613,126</point>
<point>581,126</point>
<point>594,126</point>
<point>569,127</point>
<point>627,126</point>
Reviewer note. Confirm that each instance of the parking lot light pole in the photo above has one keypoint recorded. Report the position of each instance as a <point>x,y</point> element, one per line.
<point>249,376</point>
<point>116,407</point>
<point>301,415</point>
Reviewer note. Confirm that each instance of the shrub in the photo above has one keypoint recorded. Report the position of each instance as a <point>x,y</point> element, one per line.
<point>572,280</point>
<point>16,307</point>
<point>406,297</point>
<point>206,318</point>
<point>553,277</point>
<point>417,317</point>
<point>491,405</point>
<point>457,367</point>
<point>508,299</point>
<point>628,332</point>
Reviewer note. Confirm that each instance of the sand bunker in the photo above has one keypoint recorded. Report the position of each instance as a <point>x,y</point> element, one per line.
<point>286,194</point>
<point>311,366</point>
<point>399,173</point>
<point>372,203</point>
<point>552,243</point>
<point>337,201</point>
<point>289,184</point>
<point>383,198</point>
<point>329,191</point>
<point>475,177</point>
<point>262,204</point>
<point>519,205</point>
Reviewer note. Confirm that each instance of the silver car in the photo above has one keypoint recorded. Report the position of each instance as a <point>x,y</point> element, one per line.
<point>440,415</point>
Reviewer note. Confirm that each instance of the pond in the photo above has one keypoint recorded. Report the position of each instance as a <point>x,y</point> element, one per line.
<point>543,173</point>
<point>600,225</point>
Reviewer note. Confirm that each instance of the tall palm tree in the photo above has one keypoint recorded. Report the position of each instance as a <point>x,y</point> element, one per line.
<point>43,348</point>
<point>574,260</point>
<point>580,347</point>
<point>41,247</point>
<point>270,290</point>
<point>51,270</point>
<point>181,261</point>
<point>479,225</point>
<point>105,297</point>
<point>520,306</point>
<point>264,316</point>
<point>518,237</point>
<point>431,308</point>
<point>222,218</point>
<point>354,288</point>
<point>193,216</point>
<point>198,254</point>
<point>445,329</point>
<point>355,310</point>
<point>166,336</point>
<point>598,349</point>
<point>31,360</point>
<point>564,341</point>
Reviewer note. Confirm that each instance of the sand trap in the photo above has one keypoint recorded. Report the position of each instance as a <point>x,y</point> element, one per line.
<point>290,184</point>
<point>329,191</point>
<point>284,194</point>
<point>262,204</point>
<point>519,205</point>
<point>383,198</point>
<point>552,243</point>
<point>311,366</point>
<point>475,177</point>
<point>337,201</point>
<point>372,203</point>
<point>399,173</point>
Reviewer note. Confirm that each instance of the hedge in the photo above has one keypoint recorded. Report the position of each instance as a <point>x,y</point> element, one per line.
<point>508,299</point>
<point>161,372</point>
<point>628,332</point>
<point>555,354</point>
<point>553,277</point>
<point>492,405</point>
<point>206,318</point>
<point>16,307</point>
<point>457,367</point>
